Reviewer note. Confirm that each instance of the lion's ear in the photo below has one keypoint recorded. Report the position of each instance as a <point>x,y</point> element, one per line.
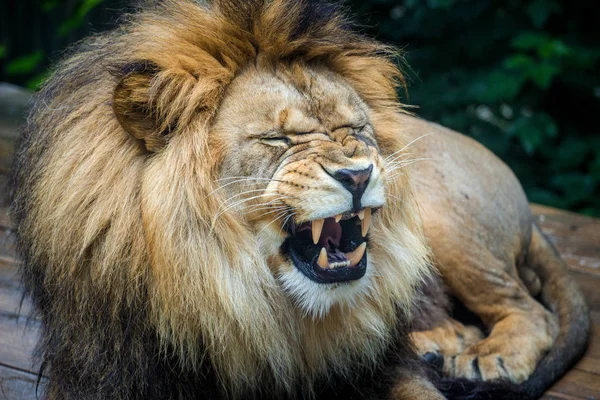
<point>135,108</point>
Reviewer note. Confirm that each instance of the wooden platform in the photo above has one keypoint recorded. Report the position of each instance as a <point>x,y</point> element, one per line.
<point>576,237</point>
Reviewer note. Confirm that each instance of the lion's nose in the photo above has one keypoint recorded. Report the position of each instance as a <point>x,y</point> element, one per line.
<point>355,181</point>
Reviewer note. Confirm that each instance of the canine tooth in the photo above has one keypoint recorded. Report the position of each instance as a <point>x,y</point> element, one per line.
<point>355,256</point>
<point>366,222</point>
<point>322,261</point>
<point>317,227</point>
<point>338,218</point>
<point>361,214</point>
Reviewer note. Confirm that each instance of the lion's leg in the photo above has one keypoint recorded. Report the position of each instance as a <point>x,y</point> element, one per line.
<point>435,334</point>
<point>521,329</point>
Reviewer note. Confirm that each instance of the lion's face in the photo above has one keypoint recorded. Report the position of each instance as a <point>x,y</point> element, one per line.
<point>301,163</point>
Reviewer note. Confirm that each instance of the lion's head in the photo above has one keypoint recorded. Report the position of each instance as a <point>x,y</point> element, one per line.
<point>235,164</point>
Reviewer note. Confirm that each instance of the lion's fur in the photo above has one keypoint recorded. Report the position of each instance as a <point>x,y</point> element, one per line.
<point>119,236</point>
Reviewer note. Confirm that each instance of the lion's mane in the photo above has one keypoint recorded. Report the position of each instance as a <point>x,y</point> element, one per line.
<point>122,255</point>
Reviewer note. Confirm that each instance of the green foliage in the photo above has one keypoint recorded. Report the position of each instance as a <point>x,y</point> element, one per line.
<point>519,76</point>
<point>76,20</point>
<point>26,64</point>
<point>31,69</point>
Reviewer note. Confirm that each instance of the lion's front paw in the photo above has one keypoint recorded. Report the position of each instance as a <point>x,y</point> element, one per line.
<point>508,353</point>
<point>448,339</point>
<point>490,361</point>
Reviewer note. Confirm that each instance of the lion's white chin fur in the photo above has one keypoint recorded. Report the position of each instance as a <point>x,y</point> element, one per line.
<point>317,299</point>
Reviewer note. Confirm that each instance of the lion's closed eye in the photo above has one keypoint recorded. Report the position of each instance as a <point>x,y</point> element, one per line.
<point>278,141</point>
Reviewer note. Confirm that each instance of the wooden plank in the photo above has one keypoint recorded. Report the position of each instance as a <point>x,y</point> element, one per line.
<point>11,299</point>
<point>551,395</point>
<point>583,381</point>
<point>5,221</point>
<point>18,385</point>
<point>591,360</point>
<point>576,237</point>
<point>577,384</point>
<point>9,271</point>
<point>590,286</point>
<point>18,336</point>
<point>7,244</point>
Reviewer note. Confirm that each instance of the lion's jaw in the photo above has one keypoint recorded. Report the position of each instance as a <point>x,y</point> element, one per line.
<point>285,148</point>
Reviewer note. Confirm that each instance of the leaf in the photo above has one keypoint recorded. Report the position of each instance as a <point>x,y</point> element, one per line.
<point>553,48</point>
<point>519,61</point>
<point>575,186</point>
<point>35,82</point>
<point>498,86</point>
<point>540,10</point>
<point>26,64</point>
<point>570,153</point>
<point>529,40</point>
<point>2,51</point>
<point>533,131</point>
<point>49,5</point>
<point>69,25</point>
<point>595,167</point>
<point>74,22</point>
<point>545,196</point>
<point>86,7</point>
<point>542,74</point>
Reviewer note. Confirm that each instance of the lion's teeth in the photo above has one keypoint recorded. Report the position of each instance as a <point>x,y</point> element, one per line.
<point>339,264</point>
<point>317,227</point>
<point>361,214</point>
<point>355,256</point>
<point>322,261</point>
<point>366,222</point>
<point>338,218</point>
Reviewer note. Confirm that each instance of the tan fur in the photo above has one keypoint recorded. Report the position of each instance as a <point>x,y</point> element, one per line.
<point>477,220</point>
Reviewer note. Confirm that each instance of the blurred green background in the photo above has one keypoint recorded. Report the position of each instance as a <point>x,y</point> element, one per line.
<point>522,77</point>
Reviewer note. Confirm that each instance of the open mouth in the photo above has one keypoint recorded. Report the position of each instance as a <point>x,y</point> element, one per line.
<point>330,250</point>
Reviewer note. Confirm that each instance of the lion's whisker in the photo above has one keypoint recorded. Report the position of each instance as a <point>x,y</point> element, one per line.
<point>248,192</point>
<point>286,220</point>
<point>279,216</point>
<point>268,208</point>
<point>237,203</point>
<point>247,178</point>
<point>396,158</point>
<point>409,144</point>
<point>231,183</point>
<point>397,166</point>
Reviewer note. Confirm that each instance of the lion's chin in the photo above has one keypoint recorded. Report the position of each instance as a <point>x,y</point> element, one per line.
<point>330,250</point>
<point>317,299</point>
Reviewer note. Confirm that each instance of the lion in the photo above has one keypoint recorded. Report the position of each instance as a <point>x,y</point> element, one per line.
<point>216,200</point>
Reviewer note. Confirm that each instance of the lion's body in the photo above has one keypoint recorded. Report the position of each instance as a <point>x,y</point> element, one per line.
<point>154,189</point>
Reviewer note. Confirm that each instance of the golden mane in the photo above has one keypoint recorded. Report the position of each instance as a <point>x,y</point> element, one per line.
<point>107,224</point>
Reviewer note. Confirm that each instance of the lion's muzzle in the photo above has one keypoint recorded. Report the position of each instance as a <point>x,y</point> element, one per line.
<point>332,249</point>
